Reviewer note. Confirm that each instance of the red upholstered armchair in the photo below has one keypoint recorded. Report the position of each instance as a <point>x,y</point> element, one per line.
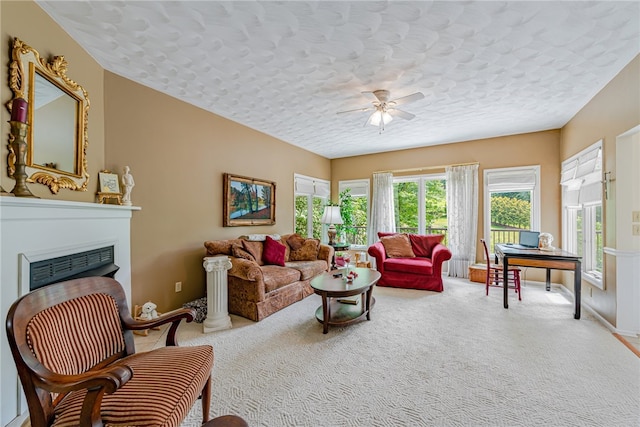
<point>410,260</point>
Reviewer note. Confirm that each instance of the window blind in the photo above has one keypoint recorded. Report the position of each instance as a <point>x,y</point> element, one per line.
<point>311,186</point>
<point>511,180</point>
<point>359,188</point>
<point>581,176</point>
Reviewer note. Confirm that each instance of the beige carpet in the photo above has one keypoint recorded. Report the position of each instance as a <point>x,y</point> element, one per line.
<point>425,359</point>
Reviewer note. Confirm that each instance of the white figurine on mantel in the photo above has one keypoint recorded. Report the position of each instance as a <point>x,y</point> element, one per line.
<point>128,183</point>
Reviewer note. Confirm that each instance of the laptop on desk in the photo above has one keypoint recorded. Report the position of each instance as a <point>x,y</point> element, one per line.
<point>528,240</point>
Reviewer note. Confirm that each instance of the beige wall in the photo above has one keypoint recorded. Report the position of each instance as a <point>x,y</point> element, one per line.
<point>613,111</point>
<point>177,154</point>
<point>28,22</point>
<point>539,148</point>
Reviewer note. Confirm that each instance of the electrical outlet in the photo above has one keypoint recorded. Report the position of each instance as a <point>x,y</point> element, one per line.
<point>635,216</point>
<point>635,229</point>
<point>178,286</point>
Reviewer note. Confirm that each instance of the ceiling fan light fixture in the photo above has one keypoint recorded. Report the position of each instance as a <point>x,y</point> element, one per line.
<point>376,117</point>
<point>380,117</point>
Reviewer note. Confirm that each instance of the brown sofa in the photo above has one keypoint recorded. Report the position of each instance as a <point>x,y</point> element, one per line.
<point>257,288</point>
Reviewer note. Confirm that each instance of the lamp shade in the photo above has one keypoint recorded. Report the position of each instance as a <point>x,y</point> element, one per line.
<point>331,215</point>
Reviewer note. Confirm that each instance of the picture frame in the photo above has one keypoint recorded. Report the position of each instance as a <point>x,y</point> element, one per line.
<point>109,182</point>
<point>248,201</point>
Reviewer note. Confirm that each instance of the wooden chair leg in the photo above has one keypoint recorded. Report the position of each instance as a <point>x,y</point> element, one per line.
<point>206,400</point>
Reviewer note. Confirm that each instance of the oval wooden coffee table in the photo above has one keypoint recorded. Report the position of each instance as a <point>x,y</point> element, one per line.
<point>332,312</point>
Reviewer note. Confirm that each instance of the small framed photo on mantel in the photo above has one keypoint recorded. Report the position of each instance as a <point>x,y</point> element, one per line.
<point>248,201</point>
<point>109,191</point>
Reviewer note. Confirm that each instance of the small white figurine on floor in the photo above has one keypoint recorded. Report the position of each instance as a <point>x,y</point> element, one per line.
<point>148,311</point>
<point>545,242</point>
<point>128,183</point>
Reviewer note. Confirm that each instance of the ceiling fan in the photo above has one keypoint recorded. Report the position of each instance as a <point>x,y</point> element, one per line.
<point>384,110</point>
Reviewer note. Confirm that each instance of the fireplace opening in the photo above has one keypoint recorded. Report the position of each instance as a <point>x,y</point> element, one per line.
<point>96,262</point>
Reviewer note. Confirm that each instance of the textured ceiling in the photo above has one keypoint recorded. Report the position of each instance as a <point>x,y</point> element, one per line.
<point>286,68</point>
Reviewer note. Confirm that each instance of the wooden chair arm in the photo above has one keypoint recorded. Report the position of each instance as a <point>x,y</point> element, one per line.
<point>107,379</point>
<point>174,317</point>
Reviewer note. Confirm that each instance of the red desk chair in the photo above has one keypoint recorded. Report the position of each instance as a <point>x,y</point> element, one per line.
<point>495,274</point>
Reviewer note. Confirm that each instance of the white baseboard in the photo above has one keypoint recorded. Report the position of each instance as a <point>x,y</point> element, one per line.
<point>597,315</point>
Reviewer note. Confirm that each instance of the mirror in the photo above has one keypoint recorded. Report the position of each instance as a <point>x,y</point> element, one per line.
<point>58,118</point>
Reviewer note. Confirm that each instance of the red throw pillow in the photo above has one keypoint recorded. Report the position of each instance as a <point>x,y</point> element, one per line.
<point>423,245</point>
<point>273,252</point>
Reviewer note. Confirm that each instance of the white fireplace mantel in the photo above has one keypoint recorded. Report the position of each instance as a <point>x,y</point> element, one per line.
<point>37,229</point>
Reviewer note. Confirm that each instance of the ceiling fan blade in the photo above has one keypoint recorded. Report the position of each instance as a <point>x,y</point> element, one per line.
<point>372,96</point>
<point>357,109</point>
<point>402,114</point>
<point>407,99</point>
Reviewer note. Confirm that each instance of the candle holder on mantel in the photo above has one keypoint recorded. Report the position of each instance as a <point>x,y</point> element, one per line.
<point>18,144</point>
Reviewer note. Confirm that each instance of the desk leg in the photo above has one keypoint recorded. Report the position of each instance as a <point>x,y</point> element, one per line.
<point>548,279</point>
<point>577,288</point>
<point>505,281</point>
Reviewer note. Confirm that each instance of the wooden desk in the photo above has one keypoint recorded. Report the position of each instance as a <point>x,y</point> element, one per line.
<point>557,259</point>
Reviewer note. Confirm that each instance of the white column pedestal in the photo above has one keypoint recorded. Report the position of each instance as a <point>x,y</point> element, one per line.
<point>217,294</point>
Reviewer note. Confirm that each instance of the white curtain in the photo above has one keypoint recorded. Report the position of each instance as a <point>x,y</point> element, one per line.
<point>382,210</point>
<point>462,210</point>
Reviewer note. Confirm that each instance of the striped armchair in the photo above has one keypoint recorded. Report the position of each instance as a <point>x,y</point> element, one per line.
<point>73,347</point>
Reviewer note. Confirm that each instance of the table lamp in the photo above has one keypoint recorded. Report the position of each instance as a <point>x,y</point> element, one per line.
<point>331,216</point>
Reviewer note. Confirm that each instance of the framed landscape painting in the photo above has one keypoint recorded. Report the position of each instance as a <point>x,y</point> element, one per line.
<point>248,201</point>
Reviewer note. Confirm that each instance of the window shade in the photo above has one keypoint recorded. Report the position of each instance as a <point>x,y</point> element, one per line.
<point>310,186</point>
<point>511,180</point>
<point>358,188</point>
<point>582,175</point>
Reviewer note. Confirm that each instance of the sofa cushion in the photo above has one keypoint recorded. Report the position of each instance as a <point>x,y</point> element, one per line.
<point>295,241</point>
<point>276,277</point>
<point>239,252</point>
<point>397,246</point>
<point>221,247</point>
<point>307,252</point>
<point>423,245</point>
<point>415,265</point>
<point>255,249</point>
<point>382,234</point>
<point>273,253</point>
<point>308,269</point>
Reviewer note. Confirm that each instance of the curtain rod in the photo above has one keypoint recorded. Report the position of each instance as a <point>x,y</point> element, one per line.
<point>426,168</point>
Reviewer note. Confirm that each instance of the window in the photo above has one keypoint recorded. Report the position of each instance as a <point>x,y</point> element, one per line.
<point>311,196</point>
<point>421,204</point>
<point>581,182</point>
<point>511,203</point>
<point>359,191</point>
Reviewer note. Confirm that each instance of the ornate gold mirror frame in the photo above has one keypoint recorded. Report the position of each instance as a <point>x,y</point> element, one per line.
<point>58,116</point>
